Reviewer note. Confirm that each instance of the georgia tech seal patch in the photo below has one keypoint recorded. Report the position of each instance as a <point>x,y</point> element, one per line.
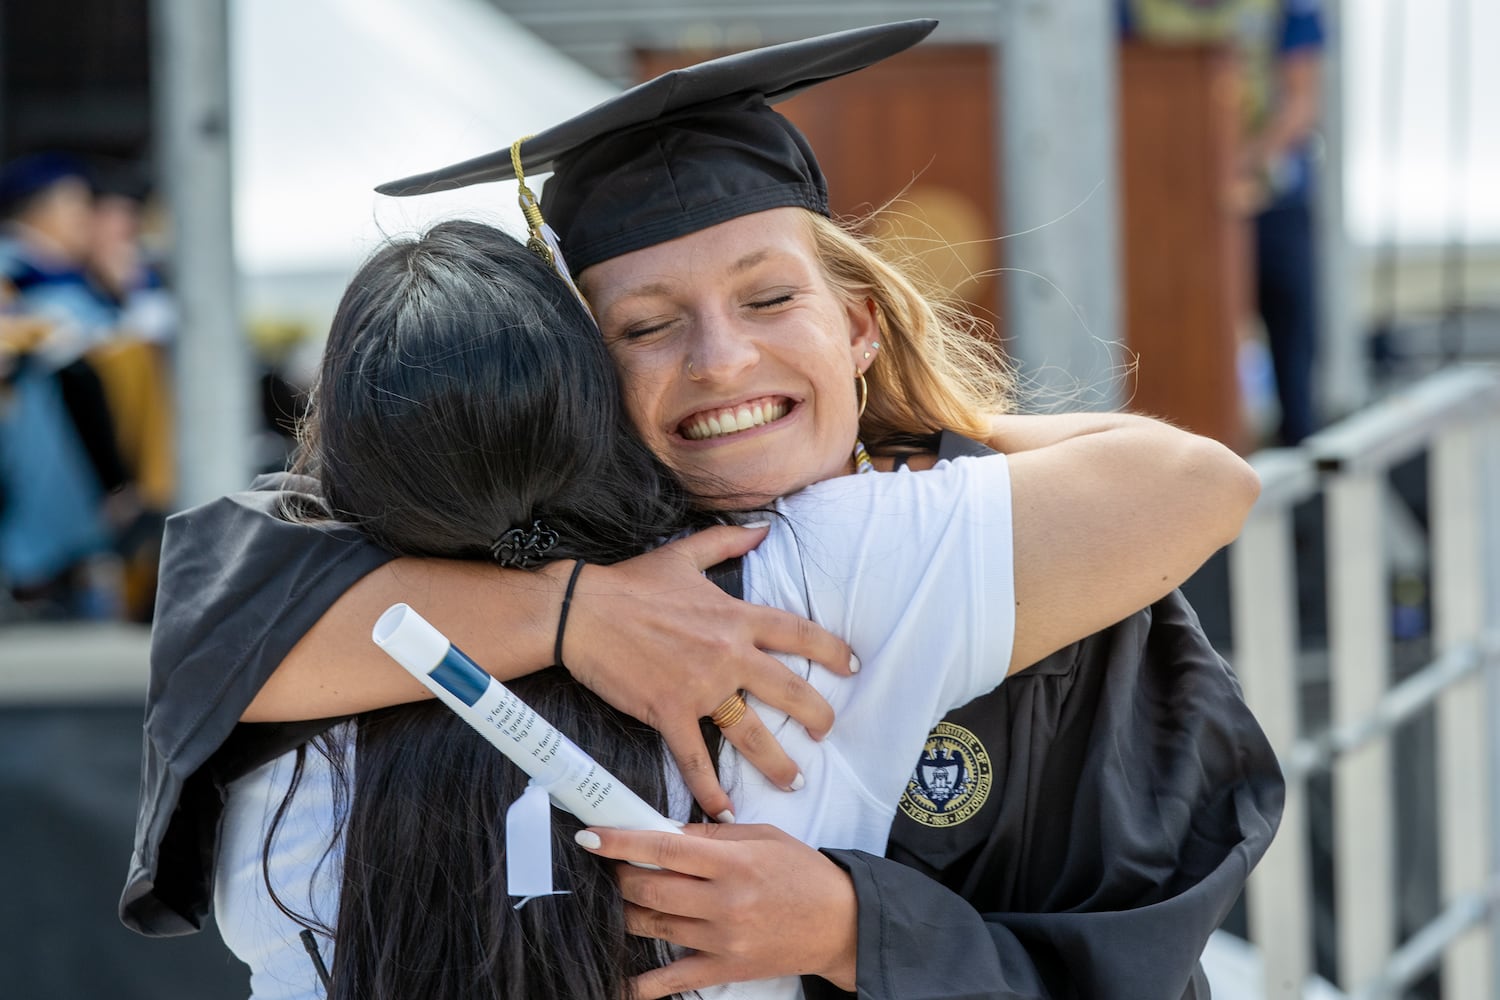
<point>952,778</point>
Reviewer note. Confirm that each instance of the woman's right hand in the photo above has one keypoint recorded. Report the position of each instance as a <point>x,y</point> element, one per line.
<point>654,638</point>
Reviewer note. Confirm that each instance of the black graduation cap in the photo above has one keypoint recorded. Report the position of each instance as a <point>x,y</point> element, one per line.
<point>685,151</point>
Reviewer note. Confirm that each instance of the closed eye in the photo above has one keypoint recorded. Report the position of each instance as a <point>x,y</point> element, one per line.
<point>772,303</point>
<point>643,329</point>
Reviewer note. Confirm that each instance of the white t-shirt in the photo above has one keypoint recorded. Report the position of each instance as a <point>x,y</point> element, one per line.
<point>914,569</point>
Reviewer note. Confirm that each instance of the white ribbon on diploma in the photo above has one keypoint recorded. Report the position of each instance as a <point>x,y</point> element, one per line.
<point>528,846</point>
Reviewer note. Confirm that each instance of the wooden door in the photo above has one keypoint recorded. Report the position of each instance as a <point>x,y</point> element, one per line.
<point>1185,245</point>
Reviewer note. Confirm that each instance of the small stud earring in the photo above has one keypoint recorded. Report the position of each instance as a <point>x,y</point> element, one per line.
<point>875,345</point>
<point>867,355</point>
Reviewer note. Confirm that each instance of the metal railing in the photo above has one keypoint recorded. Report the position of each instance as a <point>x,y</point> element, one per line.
<point>1454,416</point>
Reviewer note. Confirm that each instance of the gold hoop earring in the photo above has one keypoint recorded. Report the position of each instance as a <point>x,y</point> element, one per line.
<point>864,391</point>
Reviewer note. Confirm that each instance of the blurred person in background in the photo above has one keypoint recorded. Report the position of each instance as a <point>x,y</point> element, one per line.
<point>58,460</point>
<point>1280,46</point>
<point>72,529</point>
<point>135,366</point>
<point>120,269</point>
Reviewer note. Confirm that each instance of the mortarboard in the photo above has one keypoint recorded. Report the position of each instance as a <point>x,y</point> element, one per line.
<point>685,151</point>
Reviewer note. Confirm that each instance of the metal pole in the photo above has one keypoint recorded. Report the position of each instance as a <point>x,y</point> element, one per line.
<point>1058,190</point>
<point>213,373</point>
<point>1488,435</point>
<point>1364,811</point>
<point>1263,604</point>
<point>1464,784</point>
<point>1454,324</point>
<point>1344,382</point>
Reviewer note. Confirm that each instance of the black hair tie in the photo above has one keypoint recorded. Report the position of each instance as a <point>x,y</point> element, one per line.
<point>523,548</point>
<point>562,618</point>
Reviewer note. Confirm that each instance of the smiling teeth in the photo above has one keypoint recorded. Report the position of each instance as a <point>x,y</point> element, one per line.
<point>732,420</point>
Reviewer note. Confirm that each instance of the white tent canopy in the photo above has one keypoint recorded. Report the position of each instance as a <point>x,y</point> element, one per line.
<point>1418,172</point>
<point>331,97</point>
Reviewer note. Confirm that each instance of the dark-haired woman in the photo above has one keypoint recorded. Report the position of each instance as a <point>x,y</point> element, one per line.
<point>465,393</point>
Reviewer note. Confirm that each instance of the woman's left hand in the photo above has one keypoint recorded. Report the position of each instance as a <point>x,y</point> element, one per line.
<point>751,902</point>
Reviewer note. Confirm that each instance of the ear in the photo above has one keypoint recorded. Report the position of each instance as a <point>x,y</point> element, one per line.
<point>864,332</point>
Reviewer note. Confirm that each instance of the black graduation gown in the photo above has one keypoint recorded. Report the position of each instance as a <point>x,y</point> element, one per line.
<point>1129,790</point>
<point>223,622</point>
<point>1130,794</point>
<point>1118,794</point>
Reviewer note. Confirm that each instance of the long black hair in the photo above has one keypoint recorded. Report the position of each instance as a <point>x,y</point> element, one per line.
<point>465,392</point>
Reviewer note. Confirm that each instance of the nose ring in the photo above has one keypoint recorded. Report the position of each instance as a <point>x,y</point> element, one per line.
<point>692,376</point>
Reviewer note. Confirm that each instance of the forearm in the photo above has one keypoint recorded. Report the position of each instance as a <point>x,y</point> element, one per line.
<point>1109,513</point>
<point>1011,433</point>
<point>269,604</point>
<point>1183,480</point>
<point>505,620</point>
<point>1296,114</point>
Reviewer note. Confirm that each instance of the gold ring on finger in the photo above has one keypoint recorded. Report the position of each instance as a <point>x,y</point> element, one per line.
<point>730,711</point>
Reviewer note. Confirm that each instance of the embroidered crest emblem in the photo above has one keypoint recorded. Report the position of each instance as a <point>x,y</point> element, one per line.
<point>952,778</point>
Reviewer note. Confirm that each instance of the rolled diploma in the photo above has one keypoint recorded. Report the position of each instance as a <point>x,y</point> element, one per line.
<point>574,780</point>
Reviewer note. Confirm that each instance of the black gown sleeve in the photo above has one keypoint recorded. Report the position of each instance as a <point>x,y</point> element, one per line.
<point>1132,793</point>
<point>242,579</point>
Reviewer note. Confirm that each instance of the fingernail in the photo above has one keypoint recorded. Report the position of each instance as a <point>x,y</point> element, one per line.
<point>853,664</point>
<point>797,783</point>
<point>588,839</point>
<point>763,522</point>
<point>727,816</point>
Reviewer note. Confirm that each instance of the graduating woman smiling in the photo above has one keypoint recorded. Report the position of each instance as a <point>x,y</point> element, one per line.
<point>1040,860</point>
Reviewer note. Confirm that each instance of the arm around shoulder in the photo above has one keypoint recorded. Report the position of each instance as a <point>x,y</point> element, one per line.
<point>1111,512</point>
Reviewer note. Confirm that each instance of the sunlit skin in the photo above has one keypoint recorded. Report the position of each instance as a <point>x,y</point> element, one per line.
<point>737,358</point>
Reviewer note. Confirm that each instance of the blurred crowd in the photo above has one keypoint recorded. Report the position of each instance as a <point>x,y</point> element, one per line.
<point>86,327</point>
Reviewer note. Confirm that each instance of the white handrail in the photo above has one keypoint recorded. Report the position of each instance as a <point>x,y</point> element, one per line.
<point>1454,415</point>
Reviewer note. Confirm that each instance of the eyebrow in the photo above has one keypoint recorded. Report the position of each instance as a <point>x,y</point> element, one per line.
<point>645,291</point>
<point>748,261</point>
<point>664,288</point>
